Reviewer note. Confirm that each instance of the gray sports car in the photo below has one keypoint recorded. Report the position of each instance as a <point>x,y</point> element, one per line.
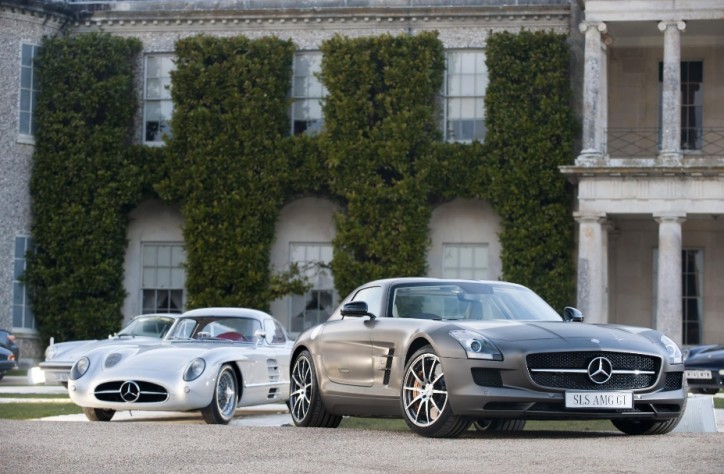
<point>443,354</point>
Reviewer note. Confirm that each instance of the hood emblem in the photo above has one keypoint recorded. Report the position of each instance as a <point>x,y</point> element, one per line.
<point>600,370</point>
<point>131,392</point>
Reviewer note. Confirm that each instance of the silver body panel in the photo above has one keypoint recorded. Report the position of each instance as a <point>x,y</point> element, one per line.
<point>262,366</point>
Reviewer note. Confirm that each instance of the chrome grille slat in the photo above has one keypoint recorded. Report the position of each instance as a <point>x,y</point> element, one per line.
<point>569,370</point>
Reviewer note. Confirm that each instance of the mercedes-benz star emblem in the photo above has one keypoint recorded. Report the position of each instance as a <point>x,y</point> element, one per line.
<point>130,391</point>
<point>600,370</point>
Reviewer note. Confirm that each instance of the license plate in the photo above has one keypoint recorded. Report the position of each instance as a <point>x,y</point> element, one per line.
<point>59,376</point>
<point>611,400</point>
<point>698,374</point>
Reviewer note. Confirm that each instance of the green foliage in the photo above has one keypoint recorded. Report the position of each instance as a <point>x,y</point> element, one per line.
<point>227,162</point>
<point>84,181</point>
<point>380,120</point>
<point>531,131</point>
<point>231,166</point>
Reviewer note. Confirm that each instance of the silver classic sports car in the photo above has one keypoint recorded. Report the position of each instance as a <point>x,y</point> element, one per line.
<point>443,354</point>
<point>212,360</point>
<point>60,357</point>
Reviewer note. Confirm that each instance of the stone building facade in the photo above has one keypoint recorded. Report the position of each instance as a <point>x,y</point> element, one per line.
<point>636,214</point>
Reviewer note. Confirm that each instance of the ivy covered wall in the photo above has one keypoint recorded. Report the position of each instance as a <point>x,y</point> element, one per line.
<point>231,165</point>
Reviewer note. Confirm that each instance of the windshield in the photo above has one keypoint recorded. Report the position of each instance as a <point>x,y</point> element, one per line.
<point>216,327</point>
<point>474,301</point>
<point>148,326</point>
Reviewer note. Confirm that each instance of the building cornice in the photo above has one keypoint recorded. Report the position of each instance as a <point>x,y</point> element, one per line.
<point>576,174</point>
<point>555,17</point>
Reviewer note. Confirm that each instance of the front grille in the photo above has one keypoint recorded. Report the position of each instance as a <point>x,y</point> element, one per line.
<point>147,392</point>
<point>573,366</point>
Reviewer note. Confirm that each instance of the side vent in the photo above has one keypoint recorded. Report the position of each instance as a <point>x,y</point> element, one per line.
<point>273,392</point>
<point>388,366</point>
<point>272,367</point>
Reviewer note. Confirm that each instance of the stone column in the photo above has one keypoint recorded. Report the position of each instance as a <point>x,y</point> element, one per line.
<point>592,152</point>
<point>669,293</point>
<point>592,267</point>
<point>670,153</point>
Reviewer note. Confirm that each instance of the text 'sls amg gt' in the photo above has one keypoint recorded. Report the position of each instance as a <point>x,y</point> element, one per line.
<point>443,354</point>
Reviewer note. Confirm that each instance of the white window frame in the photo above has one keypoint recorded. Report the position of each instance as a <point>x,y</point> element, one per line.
<point>307,93</point>
<point>160,99</point>
<point>173,281</point>
<point>470,261</point>
<point>28,94</point>
<point>21,303</point>
<point>313,259</point>
<point>464,94</point>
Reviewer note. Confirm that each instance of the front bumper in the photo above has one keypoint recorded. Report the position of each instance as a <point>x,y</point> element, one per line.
<point>716,382</point>
<point>514,395</point>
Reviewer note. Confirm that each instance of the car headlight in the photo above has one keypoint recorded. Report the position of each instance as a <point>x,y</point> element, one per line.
<point>79,368</point>
<point>194,369</point>
<point>476,345</point>
<point>675,356</point>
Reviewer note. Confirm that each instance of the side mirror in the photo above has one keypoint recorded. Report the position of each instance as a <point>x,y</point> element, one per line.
<point>259,335</point>
<point>356,309</point>
<point>572,315</point>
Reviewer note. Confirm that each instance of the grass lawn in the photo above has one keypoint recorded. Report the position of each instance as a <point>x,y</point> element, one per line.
<point>29,411</point>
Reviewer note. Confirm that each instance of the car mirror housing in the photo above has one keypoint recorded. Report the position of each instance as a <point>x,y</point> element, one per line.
<point>356,309</point>
<point>572,315</point>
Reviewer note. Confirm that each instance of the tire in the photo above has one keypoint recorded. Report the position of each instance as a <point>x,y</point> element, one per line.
<point>2,374</point>
<point>490,425</point>
<point>424,398</point>
<point>223,404</point>
<point>645,427</point>
<point>306,406</point>
<point>705,391</point>
<point>98,414</point>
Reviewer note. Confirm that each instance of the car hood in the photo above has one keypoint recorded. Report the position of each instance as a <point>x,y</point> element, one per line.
<point>710,358</point>
<point>72,350</point>
<point>609,335</point>
<point>166,356</point>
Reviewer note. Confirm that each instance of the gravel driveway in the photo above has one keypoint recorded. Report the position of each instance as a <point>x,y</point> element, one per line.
<point>55,446</point>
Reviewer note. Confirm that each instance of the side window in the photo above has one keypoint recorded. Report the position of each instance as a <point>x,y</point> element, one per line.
<point>163,278</point>
<point>373,297</point>
<point>307,94</point>
<point>157,104</point>
<point>23,317</point>
<point>466,79</point>
<point>28,89</point>
<point>274,332</point>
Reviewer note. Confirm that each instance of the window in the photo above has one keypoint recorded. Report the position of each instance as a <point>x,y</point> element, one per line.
<point>465,82</point>
<point>692,304</point>
<point>468,261</point>
<point>23,317</point>
<point>28,89</point>
<point>317,304</point>
<point>163,278</point>
<point>158,106</point>
<point>307,94</point>
<point>692,77</point>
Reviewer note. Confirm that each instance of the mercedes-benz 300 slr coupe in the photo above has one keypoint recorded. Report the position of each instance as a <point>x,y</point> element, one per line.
<point>212,360</point>
<point>443,354</point>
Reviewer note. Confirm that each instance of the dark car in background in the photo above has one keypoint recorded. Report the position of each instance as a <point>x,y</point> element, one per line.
<point>705,368</point>
<point>7,361</point>
<point>7,340</point>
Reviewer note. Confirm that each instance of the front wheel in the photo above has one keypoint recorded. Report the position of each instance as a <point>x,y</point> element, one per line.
<point>305,402</point>
<point>98,414</point>
<point>645,427</point>
<point>424,398</point>
<point>223,404</point>
<point>489,425</point>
